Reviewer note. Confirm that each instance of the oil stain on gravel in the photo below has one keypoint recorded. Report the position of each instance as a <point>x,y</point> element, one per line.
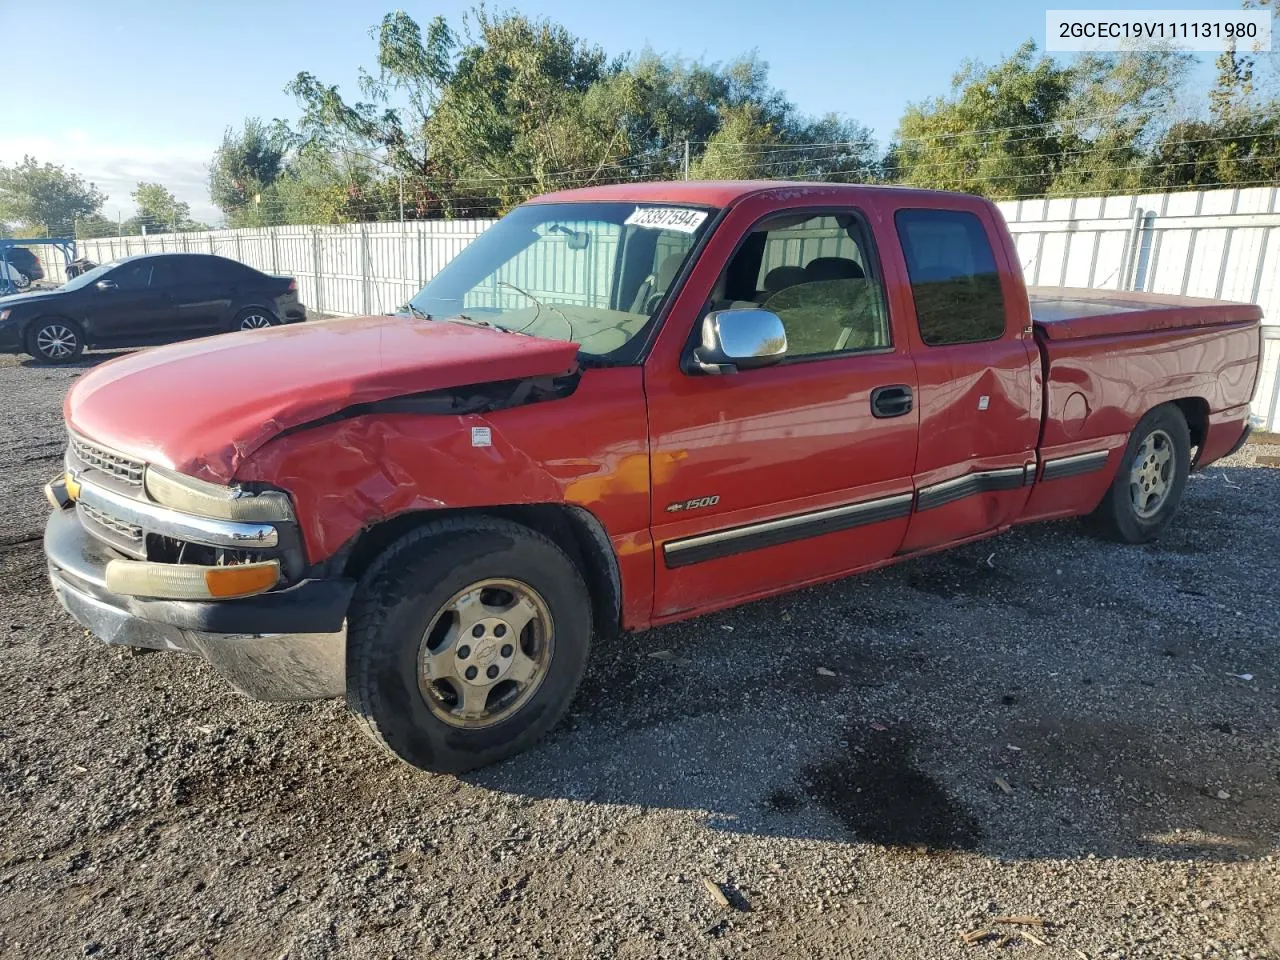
<point>877,793</point>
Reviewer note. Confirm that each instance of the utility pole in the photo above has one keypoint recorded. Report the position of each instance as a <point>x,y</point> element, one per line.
<point>120,223</point>
<point>686,159</point>
<point>401,176</point>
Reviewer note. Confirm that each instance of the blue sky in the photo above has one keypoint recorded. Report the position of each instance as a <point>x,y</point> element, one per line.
<point>142,89</point>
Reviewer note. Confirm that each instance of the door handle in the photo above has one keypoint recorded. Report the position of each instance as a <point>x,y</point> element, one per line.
<point>891,401</point>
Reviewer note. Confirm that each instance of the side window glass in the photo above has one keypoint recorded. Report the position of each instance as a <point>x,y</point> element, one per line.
<point>816,274</point>
<point>164,275</point>
<point>132,276</point>
<point>953,275</point>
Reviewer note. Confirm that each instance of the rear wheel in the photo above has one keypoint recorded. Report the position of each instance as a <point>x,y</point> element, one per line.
<point>466,643</point>
<point>254,319</point>
<point>1149,482</point>
<point>55,340</point>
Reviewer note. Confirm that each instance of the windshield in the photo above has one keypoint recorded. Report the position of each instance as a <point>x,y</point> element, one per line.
<point>89,277</point>
<point>592,273</point>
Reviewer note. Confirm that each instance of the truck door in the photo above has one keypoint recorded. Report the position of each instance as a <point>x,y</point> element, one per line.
<point>978,369</point>
<point>769,478</point>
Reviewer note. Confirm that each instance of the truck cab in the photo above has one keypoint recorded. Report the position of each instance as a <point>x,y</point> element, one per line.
<point>620,407</point>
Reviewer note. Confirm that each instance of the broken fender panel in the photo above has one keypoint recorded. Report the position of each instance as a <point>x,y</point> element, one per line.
<point>588,449</point>
<point>204,406</point>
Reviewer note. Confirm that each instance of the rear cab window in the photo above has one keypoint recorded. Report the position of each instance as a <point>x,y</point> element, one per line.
<point>953,275</point>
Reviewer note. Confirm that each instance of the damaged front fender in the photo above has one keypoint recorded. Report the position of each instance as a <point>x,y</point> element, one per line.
<point>585,447</point>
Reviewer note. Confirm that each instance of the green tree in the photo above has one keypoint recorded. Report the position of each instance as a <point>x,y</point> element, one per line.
<point>1116,109</point>
<point>96,225</point>
<point>413,70</point>
<point>742,148</point>
<point>478,120</point>
<point>1237,150</point>
<point>45,197</point>
<point>529,108</point>
<point>246,163</point>
<point>159,210</point>
<point>995,134</point>
<point>1241,76</point>
<point>323,186</point>
<point>1031,126</point>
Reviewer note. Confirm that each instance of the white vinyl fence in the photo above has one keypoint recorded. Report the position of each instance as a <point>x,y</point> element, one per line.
<point>353,269</point>
<point>1219,243</point>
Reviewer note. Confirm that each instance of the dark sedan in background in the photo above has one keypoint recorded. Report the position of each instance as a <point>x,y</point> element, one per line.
<point>145,300</point>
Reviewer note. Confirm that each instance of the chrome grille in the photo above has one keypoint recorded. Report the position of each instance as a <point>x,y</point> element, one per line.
<point>120,528</point>
<point>128,538</point>
<point>96,457</point>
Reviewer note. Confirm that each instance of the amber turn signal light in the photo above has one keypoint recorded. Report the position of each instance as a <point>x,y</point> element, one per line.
<point>241,581</point>
<point>187,581</point>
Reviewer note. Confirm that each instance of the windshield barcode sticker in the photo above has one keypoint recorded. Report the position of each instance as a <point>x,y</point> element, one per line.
<point>679,219</point>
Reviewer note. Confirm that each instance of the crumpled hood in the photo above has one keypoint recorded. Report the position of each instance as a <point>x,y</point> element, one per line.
<point>203,406</point>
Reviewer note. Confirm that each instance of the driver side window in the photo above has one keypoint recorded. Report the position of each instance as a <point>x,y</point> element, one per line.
<point>132,276</point>
<point>816,274</point>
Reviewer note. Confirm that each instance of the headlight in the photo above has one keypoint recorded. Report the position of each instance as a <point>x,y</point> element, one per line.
<point>203,499</point>
<point>186,581</point>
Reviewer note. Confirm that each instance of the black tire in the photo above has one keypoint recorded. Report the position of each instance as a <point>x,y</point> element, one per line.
<point>260,317</point>
<point>55,340</point>
<point>402,595</point>
<point>1119,517</point>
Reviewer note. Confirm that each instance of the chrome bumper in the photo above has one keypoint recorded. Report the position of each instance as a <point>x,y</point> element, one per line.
<point>287,644</point>
<point>281,666</point>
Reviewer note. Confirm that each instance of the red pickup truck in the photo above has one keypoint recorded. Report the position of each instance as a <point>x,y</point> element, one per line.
<point>619,407</point>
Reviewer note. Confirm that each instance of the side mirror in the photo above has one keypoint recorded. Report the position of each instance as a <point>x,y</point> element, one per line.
<point>734,340</point>
<point>105,285</point>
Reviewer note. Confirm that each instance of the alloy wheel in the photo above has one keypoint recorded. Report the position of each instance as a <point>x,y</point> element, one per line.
<point>485,653</point>
<point>56,342</point>
<point>1151,474</point>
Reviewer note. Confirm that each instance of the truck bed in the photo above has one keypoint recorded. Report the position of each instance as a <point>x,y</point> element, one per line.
<point>1070,313</point>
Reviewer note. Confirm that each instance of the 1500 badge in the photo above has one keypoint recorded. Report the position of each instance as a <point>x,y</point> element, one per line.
<point>695,504</point>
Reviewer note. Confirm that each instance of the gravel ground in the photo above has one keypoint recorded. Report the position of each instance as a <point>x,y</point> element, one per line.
<point>1041,724</point>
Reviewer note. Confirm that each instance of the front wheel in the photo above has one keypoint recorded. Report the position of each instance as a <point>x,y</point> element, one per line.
<point>466,643</point>
<point>55,341</point>
<point>1149,482</point>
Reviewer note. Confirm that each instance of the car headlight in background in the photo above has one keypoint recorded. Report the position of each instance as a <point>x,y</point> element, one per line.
<point>203,499</point>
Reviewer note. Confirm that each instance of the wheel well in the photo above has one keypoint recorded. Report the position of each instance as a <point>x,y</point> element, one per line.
<point>1195,410</point>
<point>573,529</point>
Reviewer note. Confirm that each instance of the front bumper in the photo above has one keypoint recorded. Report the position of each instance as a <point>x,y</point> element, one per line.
<point>11,338</point>
<point>284,645</point>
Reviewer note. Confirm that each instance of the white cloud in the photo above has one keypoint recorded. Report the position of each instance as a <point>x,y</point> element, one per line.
<point>117,167</point>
